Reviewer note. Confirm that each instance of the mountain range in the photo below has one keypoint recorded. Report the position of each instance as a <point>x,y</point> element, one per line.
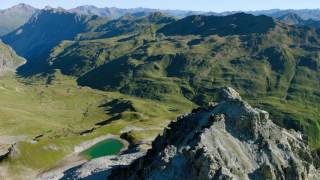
<point>305,14</point>
<point>294,19</point>
<point>191,57</point>
<point>16,16</point>
<point>12,18</point>
<point>143,68</point>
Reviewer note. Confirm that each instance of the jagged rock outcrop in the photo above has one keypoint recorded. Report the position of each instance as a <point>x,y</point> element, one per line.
<point>5,151</point>
<point>229,140</point>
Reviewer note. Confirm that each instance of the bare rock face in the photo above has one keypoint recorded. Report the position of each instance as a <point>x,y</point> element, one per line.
<point>9,60</point>
<point>5,151</point>
<point>230,140</point>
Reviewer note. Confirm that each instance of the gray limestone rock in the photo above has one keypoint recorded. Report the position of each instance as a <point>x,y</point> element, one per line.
<point>9,60</point>
<point>230,140</point>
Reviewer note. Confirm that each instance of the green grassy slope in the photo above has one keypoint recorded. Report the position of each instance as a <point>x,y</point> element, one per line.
<point>62,111</point>
<point>45,30</point>
<point>276,68</point>
<point>145,77</point>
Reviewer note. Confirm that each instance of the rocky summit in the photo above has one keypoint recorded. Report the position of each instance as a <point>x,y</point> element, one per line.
<point>228,140</point>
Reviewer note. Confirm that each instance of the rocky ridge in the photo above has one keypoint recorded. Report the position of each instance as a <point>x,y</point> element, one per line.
<point>14,17</point>
<point>5,151</point>
<point>228,140</point>
<point>9,60</point>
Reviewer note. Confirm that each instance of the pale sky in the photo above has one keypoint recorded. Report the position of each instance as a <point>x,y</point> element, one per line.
<point>202,5</point>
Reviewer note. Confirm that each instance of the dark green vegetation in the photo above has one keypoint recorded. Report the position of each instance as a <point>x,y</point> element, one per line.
<point>148,69</point>
<point>55,118</point>
<point>237,24</point>
<point>105,148</point>
<point>55,114</point>
<point>274,65</point>
<point>12,18</point>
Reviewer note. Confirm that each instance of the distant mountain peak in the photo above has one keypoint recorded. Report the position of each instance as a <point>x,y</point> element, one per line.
<point>158,14</point>
<point>294,15</point>
<point>19,8</point>
<point>291,19</point>
<point>84,8</point>
<point>22,6</point>
<point>87,6</point>
<point>47,7</point>
<point>90,10</point>
<point>58,9</point>
<point>13,17</point>
<point>45,29</point>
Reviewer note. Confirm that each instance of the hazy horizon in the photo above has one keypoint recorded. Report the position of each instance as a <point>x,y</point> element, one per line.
<point>187,5</point>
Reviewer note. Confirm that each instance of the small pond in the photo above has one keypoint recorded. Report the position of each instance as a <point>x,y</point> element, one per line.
<point>104,148</point>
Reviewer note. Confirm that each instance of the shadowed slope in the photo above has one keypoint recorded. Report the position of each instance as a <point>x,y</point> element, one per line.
<point>236,24</point>
<point>41,33</point>
<point>14,17</point>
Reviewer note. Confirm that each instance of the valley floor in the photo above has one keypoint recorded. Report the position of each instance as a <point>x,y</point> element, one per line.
<point>45,122</point>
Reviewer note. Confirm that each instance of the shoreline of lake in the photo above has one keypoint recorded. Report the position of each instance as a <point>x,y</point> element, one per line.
<point>75,159</point>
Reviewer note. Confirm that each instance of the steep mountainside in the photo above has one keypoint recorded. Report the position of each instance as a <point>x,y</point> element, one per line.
<point>14,17</point>
<point>274,65</point>
<point>151,67</point>
<point>42,32</point>
<point>79,57</point>
<point>9,60</point>
<point>128,24</point>
<point>229,140</point>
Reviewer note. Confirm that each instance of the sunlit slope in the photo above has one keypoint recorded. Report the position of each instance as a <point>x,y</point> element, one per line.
<point>9,60</point>
<point>54,118</point>
<point>275,66</point>
<point>14,17</point>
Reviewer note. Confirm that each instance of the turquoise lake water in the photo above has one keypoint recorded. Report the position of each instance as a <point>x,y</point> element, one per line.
<point>105,148</point>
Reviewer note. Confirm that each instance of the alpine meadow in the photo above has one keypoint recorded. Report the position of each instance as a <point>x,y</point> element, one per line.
<point>141,93</point>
